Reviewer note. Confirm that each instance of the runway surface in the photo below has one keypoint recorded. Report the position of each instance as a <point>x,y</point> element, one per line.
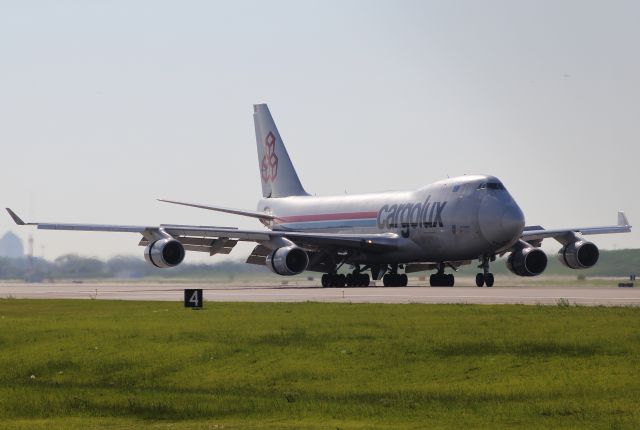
<point>548,295</point>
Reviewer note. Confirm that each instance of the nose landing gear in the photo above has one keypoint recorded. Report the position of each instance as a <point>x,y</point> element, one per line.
<point>485,278</point>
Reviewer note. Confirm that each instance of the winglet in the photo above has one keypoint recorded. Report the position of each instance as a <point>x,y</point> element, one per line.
<point>622,220</point>
<point>15,217</point>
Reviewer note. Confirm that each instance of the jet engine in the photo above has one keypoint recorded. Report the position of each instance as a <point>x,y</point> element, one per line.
<point>579,254</point>
<point>288,261</point>
<point>527,261</point>
<point>164,253</point>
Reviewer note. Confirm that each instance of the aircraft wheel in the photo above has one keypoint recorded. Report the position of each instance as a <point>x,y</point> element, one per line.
<point>480,279</point>
<point>341,280</point>
<point>391,280</point>
<point>441,280</point>
<point>325,281</point>
<point>350,280</point>
<point>387,281</point>
<point>489,279</point>
<point>365,280</point>
<point>403,281</point>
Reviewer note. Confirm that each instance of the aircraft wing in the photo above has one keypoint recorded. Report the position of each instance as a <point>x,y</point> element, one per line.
<point>537,233</point>
<point>213,239</point>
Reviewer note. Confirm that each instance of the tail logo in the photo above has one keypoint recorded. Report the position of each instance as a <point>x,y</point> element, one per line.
<point>269,164</point>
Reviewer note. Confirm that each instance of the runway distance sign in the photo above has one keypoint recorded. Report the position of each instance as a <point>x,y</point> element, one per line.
<point>193,298</point>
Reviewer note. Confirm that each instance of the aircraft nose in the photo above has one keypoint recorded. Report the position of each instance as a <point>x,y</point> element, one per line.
<point>501,222</point>
<point>512,221</point>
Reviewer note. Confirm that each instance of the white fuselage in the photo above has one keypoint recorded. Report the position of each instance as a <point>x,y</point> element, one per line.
<point>454,219</point>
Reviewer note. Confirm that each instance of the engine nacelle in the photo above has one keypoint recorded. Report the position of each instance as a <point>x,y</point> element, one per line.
<point>527,262</point>
<point>288,261</point>
<point>579,254</point>
<point>164,253</point>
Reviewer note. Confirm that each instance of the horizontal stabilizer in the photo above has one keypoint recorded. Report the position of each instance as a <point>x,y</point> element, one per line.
<point>242,212</point>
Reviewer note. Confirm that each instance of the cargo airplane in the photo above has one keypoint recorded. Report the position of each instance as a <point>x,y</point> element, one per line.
<point>440,227</point>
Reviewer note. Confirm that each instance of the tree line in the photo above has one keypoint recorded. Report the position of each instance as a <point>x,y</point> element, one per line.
<point>72,266</point>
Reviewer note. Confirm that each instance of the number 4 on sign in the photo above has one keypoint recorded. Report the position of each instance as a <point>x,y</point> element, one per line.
<point>193,299</point>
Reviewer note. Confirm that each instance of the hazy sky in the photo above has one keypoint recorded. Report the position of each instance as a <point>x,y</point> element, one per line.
<point>105,106</point>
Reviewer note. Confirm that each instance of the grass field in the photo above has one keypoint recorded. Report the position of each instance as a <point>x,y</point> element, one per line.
<point>99,364</point>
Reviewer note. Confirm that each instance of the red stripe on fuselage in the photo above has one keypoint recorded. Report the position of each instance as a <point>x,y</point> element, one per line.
<point>328,217</point>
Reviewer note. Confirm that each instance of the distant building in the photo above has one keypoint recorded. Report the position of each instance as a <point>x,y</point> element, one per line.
<point>11,246</point>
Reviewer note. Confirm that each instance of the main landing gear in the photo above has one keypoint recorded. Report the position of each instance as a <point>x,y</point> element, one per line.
<point>351,280</point>
<point>395,280</point>
<point>358,280</point>
<point>485,278</point>
<point>441,279</point>
<point>333,280</point>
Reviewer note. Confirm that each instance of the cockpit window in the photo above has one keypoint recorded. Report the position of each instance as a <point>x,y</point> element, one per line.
<point>491,186</point>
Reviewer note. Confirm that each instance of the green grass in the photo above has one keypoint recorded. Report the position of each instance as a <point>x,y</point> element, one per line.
<point>100,364</point>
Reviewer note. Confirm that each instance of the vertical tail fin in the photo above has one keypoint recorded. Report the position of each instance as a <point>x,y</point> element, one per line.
<point>279,177</point>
